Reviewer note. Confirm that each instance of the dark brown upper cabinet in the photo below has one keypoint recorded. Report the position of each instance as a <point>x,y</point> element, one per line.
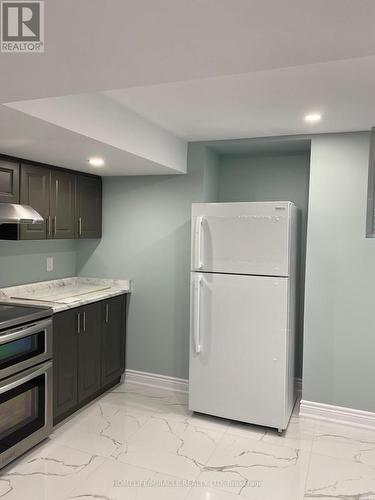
<point>89,207</point>
<point>62,204</point>
<point>70,203</point>
<point>9,182</point>
<point>35,189</point>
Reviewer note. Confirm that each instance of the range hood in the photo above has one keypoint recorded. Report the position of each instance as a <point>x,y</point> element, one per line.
<point>12,213</point>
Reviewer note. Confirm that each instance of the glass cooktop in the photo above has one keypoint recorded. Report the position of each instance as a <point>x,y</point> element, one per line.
<point>16,314</point>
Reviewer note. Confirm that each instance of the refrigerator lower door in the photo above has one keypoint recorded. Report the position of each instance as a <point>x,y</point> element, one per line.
<point>238,348</point>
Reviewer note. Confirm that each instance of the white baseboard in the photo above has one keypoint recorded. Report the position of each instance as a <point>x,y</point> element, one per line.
<point>154,380</point>
<point>170,383</point>
<point>337,414</point>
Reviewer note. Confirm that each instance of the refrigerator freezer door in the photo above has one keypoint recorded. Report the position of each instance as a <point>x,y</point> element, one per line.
<point>238,348</point>
<point>243,238</point>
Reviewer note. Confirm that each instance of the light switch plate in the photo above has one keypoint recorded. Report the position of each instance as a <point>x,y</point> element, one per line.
<point>49,264</point>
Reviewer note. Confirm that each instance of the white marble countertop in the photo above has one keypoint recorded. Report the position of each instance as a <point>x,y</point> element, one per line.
<point>65,293</point>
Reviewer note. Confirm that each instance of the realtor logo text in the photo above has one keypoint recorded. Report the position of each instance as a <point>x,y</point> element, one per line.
<point>22,26</point>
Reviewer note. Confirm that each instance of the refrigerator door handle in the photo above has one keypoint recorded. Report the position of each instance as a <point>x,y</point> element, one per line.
<point>198,242</point>
<point>197,314</point>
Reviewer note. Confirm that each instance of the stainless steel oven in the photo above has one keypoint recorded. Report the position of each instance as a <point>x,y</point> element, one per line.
<point>25,346</point>
<point>25,378</point>
<point>25,411</point>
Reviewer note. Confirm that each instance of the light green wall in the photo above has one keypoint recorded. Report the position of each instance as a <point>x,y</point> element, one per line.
<point>25,261</point>
<point>146,238</point>
<point>339,342</point>
<point>278,177</point>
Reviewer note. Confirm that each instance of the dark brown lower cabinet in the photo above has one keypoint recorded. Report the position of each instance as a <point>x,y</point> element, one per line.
<point>113,339</point>
<point>88,353</point>
<point>65,362</point>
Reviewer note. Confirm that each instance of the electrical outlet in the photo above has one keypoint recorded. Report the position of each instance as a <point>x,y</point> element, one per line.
<point>49,264</point>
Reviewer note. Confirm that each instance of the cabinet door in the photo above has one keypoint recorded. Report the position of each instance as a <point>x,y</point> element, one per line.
<point>65,362</point>
<point>113,339</point>
<point>89,351</point>
<point>35,191</point>
<point>89,207</point>
<point>9,182</point>
<point>62,204</point>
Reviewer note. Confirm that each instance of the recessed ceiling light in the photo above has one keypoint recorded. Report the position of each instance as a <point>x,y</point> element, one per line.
<point>96,162</point>
<point>313,117</point>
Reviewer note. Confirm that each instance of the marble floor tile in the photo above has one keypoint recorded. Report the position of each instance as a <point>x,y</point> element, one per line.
<point>180,438</point>
<point>334,478</point>
<point>134,401</point>
<point>150,391</point>
<point>143,443</point>
<point>174,409</point>
<point>201,493</point>
<point>90,443</point>
<point>299,434</point>
<point>256,469</point>
<point>181,466</point>
<point>94,416</point>
<point>102,431</point>
<point>119,481</point>
<point>209,422</point>
<point>48,472</point>
<point>346,442</point>
<point>245,430</point>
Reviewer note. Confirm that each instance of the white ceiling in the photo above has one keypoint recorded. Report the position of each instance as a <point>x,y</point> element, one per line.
<point>264,103</point>
<point>24,136</point>
<point>93,45</point>
<point>202,69</point>
<point>99,118</point>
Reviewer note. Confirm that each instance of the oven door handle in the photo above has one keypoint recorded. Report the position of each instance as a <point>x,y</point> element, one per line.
<point>19,333</point>
<point>30,374</point>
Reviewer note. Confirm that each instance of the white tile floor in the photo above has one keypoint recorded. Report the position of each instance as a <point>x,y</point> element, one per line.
<point>139,444</point>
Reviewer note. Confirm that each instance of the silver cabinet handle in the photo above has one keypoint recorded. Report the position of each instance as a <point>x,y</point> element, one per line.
<point>80,226</point>
<point>79,323</point>
<point>107,313</point>
<point>84,321</point>
<point>55,217</point>
<point>48,222</point>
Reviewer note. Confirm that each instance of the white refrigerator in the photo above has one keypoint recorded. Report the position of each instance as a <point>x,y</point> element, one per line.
<point>243,295</point>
